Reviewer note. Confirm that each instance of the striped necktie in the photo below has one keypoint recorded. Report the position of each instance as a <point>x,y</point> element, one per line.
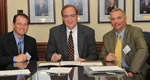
<point>70,48</point>
<point>19,47</point>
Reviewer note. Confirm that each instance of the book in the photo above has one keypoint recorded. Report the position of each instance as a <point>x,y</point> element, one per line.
<point>70,63</point>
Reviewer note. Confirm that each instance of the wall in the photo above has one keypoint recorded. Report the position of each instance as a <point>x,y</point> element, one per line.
<point>41,31</point>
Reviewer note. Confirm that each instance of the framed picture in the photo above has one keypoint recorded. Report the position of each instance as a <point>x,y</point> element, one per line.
<point>41,11</point>
<point>106,6</point>
<point>83,9</point>
<point>141,11</point>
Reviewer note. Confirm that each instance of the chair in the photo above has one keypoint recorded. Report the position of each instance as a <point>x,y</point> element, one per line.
<point>147,39</point>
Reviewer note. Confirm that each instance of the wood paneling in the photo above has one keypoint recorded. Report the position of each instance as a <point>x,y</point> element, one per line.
<point>3,17</point>
<point>42,47</point>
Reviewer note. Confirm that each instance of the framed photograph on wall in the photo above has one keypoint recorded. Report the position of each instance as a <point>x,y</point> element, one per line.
<point>141,10</point>
<point>106,6</point>
<point>83,9</point>
<point>41,11</point>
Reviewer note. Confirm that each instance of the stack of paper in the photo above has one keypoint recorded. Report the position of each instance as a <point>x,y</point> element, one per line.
<point>14,72</point>
<point>107,70</point>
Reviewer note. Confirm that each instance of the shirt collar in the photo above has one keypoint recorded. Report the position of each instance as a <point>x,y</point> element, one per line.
<point>17,40</point>
<point>121,33</point>
<point>74,29</point>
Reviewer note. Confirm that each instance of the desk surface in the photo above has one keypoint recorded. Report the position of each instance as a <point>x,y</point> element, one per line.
<point>37,73</point>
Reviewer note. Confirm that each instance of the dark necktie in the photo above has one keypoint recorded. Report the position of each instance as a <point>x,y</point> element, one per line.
<point>19,47</point>
<point>70,48</point>
<point>71,74</point>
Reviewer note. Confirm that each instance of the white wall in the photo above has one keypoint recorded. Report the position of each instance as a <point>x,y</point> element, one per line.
<point>41,31</point>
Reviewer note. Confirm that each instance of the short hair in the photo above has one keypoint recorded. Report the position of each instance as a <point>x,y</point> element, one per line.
<point>67,6</point>
<point>117,9</point>
<point>20,14</point>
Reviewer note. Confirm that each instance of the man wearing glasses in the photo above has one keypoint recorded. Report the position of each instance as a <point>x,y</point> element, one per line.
<point>16,46</point>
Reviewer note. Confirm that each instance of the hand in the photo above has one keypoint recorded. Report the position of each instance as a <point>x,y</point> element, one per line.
<point>130,74</point>
<point>110,57</point>
<point>80,60</point>
<point>21,58</point>
<point>21,65</point>
<point>56,57</point>
<point>111,63</point>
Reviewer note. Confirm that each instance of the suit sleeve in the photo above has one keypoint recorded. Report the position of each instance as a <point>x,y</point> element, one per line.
<point>34,51</point>
<point>92,55</point>
<point>4,59</point>
<point>103,51</point>
<point>51,46</point>
<point>141,53</point>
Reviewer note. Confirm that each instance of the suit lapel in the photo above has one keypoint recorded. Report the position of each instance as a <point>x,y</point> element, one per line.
<point>80,41</point>
<point>113,44</point>
<point>25,44</point>
<point>64,39</point>
<point>12,43</point>
<point>126,39</point>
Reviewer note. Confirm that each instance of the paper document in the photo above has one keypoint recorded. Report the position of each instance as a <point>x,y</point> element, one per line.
<point>14,72</point>
<point>59,70</point>
<point>91,64</point>
<point>107,68</point>
<point>71,63</point>
<point>49,64</point>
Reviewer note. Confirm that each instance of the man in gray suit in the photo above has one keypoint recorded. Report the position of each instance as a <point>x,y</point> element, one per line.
<point>133,50</point>
<point>83,38</point>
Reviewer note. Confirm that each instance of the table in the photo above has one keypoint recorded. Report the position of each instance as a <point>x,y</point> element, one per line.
<point>37,73</point>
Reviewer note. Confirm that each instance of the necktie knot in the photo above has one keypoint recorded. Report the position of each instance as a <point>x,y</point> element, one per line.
<point>70,32</point>
<point>119,36</point>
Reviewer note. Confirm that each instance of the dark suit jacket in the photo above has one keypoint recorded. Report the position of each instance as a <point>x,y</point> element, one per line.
<point>134,38</point>
<point>58,42</point>
<point>8,47</point>
<point>145,8</point>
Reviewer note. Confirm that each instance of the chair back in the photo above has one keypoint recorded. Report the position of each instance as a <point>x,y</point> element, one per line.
<point>147,39</point>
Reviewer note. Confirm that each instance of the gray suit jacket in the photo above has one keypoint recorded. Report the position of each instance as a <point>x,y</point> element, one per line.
<point>58,42</point>
<point>134,38</point>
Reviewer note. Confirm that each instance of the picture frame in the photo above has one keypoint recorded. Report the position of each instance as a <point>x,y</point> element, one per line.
<point>104,9</point>
<point>141,11</point>
<point>41,11</point>
<point>83,9</point>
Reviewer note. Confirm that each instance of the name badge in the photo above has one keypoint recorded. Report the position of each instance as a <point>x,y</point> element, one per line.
<point>126,49</point>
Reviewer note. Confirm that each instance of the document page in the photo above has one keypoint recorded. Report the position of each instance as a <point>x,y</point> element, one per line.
<point>60,69</point>
<point>49,64</point>
<point>70,63</point>
<point>106,68</point>
<point>14,72</point>
<point>94,63</point>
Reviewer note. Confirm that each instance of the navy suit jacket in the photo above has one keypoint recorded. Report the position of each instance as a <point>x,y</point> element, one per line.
<point>8,47</point>
<point>58,42</point>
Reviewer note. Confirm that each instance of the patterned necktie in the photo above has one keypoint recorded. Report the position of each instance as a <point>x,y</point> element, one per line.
<point>71,74</point>
<point>19,47</point>
<point>118,51</point>
<point>70,48</point>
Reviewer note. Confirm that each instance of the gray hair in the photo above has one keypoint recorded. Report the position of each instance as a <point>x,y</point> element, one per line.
<point>118,9</point>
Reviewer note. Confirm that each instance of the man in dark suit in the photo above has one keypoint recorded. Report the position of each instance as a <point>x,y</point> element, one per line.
<point>145,7</point>
<point>134,52</point>
<point>9,49</point>
<point>83,38</point>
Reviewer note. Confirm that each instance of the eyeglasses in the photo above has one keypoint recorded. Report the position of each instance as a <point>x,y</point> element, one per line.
<point>20,24</point>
